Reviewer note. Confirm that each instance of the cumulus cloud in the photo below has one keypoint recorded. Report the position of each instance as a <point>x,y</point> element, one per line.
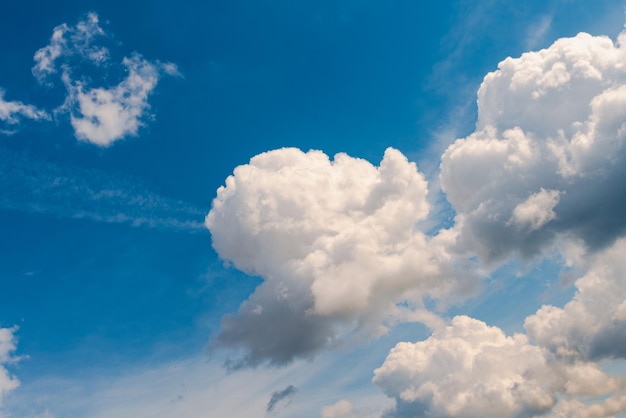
<point>548,148</point>
<point>336,243</point>
<point>104,114</point>
<point>11,112</point>
<point>593,324</point>
<point>8,345</point>
<point>469,369</point>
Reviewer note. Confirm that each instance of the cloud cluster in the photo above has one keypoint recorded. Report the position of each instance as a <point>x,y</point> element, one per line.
<point>468,369</point>
<point>336,243</point>
<point>549,145</point>
<point>8,345</point>
<point>99,115</point>
<point>546,162</point>
<point>339,247</point>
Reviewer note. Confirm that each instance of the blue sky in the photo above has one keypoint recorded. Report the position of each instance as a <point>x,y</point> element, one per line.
<point>312,209</point>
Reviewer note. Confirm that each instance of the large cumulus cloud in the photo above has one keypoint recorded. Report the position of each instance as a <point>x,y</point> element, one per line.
<point>545,163</point>
<point>547,156</point>
<point>336,243</point>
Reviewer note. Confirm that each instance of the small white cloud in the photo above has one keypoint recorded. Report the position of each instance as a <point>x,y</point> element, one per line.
<point>11,112</point>
<point>103,116</point>
<point>67,41</point>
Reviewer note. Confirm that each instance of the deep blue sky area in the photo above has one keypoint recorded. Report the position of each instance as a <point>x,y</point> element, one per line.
<point>105,263</point>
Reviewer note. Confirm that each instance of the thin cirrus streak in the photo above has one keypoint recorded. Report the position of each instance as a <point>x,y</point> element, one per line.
<point>37,186</point>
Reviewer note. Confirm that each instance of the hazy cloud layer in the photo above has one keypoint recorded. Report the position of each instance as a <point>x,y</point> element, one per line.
<point>336,243</point>
<point>549,145</point>
<point>8,344</point>
<point>104,114</point>
<point>37,186</point>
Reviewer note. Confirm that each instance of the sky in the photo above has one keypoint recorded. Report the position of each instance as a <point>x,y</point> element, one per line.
<point>330,209</point>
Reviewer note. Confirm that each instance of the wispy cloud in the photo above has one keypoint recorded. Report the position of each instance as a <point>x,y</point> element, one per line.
<point>38,186</point>
<point>11,113</point>
<point>279,396</point>
<point>67,41</point>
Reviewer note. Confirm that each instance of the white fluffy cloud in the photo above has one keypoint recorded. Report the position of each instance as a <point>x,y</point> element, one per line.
<point>105,115</point>
<point>593,324</point>
<point>468,369</point>
<point>548,147</point>
<point>100,115</point>
<point>8,345</point>
<point>336,243</point>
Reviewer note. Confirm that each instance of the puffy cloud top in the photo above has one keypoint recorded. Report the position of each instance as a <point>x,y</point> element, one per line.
<point>336,242</point>
<point>593,324</point>
<point>468,369</point>
<point>548,148</point>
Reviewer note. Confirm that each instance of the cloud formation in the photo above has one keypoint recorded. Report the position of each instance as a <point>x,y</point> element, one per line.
<point>11,112</point>
<point>548,145</point>
<point>545,163</point>
<point>336,243</point>
<point>592,325</point>
<point>105,114</point>
<point>8,345</point>
<point>38,186</point>
<point>468,369</point>
<point>279,396</point>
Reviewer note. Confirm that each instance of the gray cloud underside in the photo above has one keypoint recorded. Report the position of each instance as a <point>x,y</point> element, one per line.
<point>279,396</point>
